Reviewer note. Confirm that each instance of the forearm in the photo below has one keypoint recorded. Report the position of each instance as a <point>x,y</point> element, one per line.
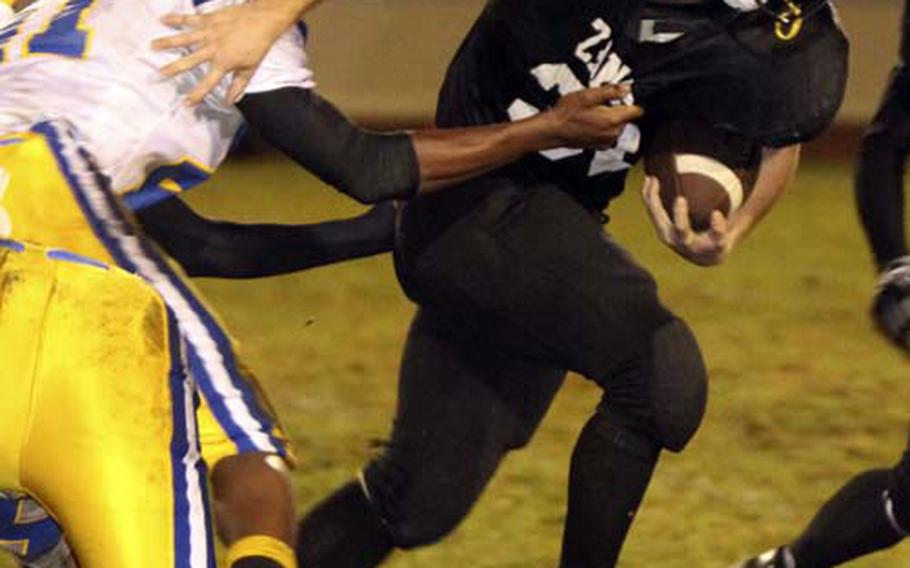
<point>368,166</point>
<point>451,156</point>
<point>372,167</point>
<point>291,9</point>
<point>584,119</point>
<point>286,13</point>
<point>230,250</point>
<point>776,173</point>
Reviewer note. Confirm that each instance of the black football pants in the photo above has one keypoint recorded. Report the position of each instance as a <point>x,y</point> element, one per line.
<point>520,288</point>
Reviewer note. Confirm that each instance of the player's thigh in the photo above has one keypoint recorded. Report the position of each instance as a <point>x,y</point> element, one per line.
<point>111,448</point>
<point>463,404</point>
<point>450,371</point>
<point>24,290</point>
<point>538,273</point>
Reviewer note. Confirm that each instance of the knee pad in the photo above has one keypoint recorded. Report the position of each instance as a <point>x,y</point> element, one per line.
<point>679,385</point>
<point>623,430</point>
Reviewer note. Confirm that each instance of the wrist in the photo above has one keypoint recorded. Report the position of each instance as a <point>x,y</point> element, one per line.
<point>279,15</point>
<point>548,131</point>
<point>738,228</point>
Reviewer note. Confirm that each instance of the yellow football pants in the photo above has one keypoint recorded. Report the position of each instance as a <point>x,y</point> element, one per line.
<point>97,413</point>
<point>51,195</point>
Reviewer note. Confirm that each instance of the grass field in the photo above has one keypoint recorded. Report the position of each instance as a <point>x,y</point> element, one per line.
<point>803,393</point>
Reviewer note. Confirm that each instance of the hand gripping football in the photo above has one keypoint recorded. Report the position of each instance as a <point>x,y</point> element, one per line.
<point>714,170</point>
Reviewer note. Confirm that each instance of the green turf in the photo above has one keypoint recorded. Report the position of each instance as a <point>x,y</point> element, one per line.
<point>803,393</point>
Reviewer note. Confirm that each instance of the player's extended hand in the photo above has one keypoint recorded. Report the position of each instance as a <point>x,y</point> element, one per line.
<point>706,248</point>
<point>891,305</point>
<point>232,39</point>
<point>584,118</point>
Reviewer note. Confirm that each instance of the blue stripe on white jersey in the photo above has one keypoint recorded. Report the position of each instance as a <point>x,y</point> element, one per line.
<point>164,183</point>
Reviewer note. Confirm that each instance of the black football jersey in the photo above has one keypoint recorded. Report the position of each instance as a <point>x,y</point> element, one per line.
<point>746,73</point>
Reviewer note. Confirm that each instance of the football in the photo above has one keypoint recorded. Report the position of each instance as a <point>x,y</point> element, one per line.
<point>713,169</point>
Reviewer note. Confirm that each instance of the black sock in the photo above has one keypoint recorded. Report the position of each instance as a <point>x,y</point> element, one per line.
<point>255,562</point>
<point>611,469</point>
<point>343,532</point>
<point>853,523</point>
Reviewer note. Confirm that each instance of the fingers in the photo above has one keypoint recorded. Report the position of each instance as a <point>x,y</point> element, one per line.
<point>607,93</point>
<point>188,62</point>
<point>182,20</point>
<point>185,39</point>
<point>650,193</point>
<point>608,123</point>
<point>238,86</point>
<point>718,228</point>
<point>681,224</point>
<point>213,39</point>
<point>205,86</point>
<point>625,113</point>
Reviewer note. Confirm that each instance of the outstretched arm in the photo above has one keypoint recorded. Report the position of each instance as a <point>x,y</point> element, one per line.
<point>233,39</point>
<point>372,167</point>
<point>220,249</point>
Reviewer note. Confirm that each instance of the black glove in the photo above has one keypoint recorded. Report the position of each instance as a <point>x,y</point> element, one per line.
<point>891,305</point>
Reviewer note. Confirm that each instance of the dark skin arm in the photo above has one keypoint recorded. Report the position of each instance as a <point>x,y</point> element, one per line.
<point>579,120</point>
<point>436,158</point>
<point>205,247</point>
<point>372,167</point>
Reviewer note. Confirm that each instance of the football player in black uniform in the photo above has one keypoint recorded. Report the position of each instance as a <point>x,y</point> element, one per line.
<point>517,283</point>
<point>872,511</point>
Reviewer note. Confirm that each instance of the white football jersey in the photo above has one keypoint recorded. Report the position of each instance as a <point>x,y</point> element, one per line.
<point>90,63</point>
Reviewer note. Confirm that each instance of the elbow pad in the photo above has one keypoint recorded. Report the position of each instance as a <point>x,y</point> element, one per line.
<point>368,166</point>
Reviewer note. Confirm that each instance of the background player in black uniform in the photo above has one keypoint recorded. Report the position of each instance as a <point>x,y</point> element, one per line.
<point>872,511</point>
<point>517,282</point>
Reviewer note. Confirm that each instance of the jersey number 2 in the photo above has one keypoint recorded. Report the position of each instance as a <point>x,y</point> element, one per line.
<point>64,34</point>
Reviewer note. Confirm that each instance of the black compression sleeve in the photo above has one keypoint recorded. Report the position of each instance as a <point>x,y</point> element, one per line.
<point>230,250</point>
<point>880,173</point>
<point>368,166</point>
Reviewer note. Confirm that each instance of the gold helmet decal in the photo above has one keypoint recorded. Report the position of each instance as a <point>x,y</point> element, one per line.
<point>789,22</point>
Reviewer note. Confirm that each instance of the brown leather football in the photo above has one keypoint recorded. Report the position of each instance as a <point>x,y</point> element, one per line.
<point>713,169</point>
